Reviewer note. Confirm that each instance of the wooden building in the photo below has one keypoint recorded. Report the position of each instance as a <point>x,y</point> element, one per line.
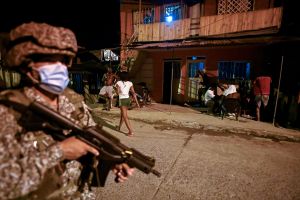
<point>163,44</point>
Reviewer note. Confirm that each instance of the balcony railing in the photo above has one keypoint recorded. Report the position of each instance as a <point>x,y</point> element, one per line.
<point>216,25</point>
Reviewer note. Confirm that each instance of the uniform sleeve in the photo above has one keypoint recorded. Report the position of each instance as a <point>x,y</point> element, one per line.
<point>22,166</point>
<point>87,120</point>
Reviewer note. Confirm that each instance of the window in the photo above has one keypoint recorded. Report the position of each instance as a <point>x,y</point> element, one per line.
<point>193,67</point>
<point>232,70</point>
<point>234,6</point>
<point>172,13</point>
<point>148,18</point>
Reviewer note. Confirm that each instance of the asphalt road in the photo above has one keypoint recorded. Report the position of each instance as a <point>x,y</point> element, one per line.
<point>204,164</point>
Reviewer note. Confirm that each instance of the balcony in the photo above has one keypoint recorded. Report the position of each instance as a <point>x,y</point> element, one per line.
<point>255,22</point>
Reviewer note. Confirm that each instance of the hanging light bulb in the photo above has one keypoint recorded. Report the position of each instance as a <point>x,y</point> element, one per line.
<point>169,19</point>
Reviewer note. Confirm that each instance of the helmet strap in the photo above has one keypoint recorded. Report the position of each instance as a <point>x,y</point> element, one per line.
<point>29,72</point>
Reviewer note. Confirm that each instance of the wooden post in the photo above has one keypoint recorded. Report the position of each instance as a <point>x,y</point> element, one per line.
<point>140,11</point>
<point>278,90</point>
<point>172,71</point>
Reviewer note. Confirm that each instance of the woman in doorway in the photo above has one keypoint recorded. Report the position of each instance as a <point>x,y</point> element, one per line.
<point>124,86</point>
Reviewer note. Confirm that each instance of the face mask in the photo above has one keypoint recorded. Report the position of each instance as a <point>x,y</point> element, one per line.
<point>54,78</point>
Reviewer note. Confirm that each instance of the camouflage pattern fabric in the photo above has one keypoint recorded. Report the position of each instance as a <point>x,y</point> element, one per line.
<point>31,161</point>
<point>39,38</point>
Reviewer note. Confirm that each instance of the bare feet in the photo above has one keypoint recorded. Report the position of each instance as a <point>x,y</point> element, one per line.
<point>130,134</point>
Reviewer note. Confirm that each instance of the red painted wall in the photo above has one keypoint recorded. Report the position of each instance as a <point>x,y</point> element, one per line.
<point>210,7</point>
<point>253,54</point>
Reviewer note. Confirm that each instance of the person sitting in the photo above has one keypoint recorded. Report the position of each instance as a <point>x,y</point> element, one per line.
<point>209,99</point>
<point>231,89</point>
<point>218,99</point>
<point>231,102</point>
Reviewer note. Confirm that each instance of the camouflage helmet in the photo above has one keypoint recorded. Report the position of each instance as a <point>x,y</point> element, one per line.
<point>39,38</point>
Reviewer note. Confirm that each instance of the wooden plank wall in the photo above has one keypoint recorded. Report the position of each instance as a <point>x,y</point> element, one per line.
<point>164,31</point>
<point>212,25</point>
<point>239,22</point>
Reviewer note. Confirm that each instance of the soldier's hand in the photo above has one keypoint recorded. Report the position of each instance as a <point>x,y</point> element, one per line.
<point>122,172</point>
<point>74,148</point>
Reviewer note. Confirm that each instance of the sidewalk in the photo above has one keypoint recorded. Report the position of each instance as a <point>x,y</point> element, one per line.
<point>174,116</point>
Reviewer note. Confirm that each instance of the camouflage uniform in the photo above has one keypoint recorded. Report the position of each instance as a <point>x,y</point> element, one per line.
<point>26,158</point>
<point>31,164</point>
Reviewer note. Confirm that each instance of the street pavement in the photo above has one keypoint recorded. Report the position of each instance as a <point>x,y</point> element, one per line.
<point>189,118</point>
<point>174,135</point>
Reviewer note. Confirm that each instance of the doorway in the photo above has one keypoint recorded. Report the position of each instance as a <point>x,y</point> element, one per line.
<point>171,81</point>
<point>193,83</point>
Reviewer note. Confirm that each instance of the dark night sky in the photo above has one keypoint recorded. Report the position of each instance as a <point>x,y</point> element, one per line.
<point>95,23</point>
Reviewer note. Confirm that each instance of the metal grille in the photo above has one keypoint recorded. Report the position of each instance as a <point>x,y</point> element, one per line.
<point>234,6</point>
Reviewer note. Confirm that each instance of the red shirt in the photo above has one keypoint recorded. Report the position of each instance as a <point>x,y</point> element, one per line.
<point>262,85</point>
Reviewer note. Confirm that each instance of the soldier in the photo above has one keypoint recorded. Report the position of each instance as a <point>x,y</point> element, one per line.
<point>32,164</point>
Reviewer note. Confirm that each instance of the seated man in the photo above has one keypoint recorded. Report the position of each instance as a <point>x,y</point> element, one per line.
<point>231,102</point>
<point>218,99</point>
<point>209,98</point>
<point>230,90</point>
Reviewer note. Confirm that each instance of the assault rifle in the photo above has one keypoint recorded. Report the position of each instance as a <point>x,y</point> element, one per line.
<point>36,116</point>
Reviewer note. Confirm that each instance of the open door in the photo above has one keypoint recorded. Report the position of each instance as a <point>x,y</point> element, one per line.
<point>172,71</point>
